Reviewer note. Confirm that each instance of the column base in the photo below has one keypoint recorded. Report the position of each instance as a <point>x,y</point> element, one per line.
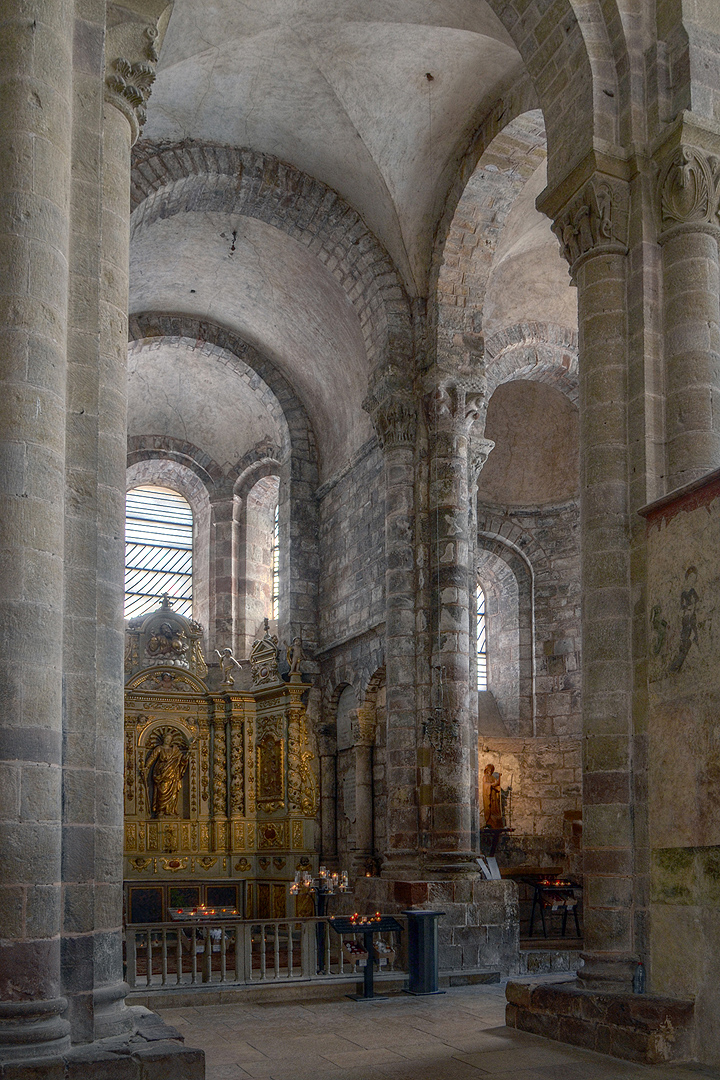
<point>154,1053</point>
<point>110,1014</point>
<point>33,1029</point>
<point>644,1028</point>
<point>441,865</point>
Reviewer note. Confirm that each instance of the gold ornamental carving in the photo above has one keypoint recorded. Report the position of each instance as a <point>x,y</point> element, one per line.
<point>174,865</point>
<point>302,787</point>
<point>219,770</point>
<point>270,753</point>
<point>264,661</point>
<point>140,864</point>
<point>250,732</point>
<point>236,768</point>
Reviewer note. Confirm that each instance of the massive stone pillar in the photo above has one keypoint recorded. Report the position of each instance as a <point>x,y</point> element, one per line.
<point>592,228</point>
<point>689,233</point>
<point>94,521</point>
<point>35,178</point>
<point>395,417</point>
<point>453,404</point>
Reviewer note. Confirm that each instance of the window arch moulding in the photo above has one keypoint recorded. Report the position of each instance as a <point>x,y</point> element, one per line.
<point>506,707</point>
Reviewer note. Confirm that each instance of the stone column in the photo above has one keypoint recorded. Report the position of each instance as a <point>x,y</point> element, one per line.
<point>689,232</point>
<point>592,228</point>
<point>364,734</point>
<point>395,418</point>
<point>36,83</point>
<point>223,569</point>
<point>95,476</point>
<point>453,403</point>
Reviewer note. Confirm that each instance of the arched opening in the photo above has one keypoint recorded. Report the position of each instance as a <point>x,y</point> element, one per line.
<point>158,550</point>
<point>481,641</point>
<point>258,585</point>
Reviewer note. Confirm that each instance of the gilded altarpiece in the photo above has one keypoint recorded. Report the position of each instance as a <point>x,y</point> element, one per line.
<point>221,789</point>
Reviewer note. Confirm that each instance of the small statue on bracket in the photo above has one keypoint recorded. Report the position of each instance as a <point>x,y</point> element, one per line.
<point>295,656</point>
<point>227,662</point>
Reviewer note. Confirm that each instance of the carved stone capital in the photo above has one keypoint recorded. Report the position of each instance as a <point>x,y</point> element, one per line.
<point>594,221</point>
<point>451,404</point>
<point>479,452</point>
<point>132,47</point>
<point>364,726</point>
<point>688,191</point>
<point>395,421</point>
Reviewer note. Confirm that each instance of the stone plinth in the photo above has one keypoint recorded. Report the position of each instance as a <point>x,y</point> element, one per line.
<point>479,931</point>
<point>154,1052</point>
<point>646,1028</point>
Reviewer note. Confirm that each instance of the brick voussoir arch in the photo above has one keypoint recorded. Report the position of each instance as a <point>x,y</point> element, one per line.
<point>154,324</point>
<point>540,352</point>
<point>167,448</point>
<point>567,51</point>
<point>170,179</point>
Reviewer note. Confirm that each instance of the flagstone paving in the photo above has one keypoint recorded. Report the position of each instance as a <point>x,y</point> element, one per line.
<point>459,1035</point>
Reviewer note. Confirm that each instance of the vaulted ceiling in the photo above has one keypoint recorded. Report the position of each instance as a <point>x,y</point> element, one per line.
<point>376,103</point>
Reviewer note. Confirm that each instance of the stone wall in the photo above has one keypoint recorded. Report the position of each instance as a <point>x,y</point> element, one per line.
<point>541,545</point>
<point>545,807</point>
<point>352,539</point>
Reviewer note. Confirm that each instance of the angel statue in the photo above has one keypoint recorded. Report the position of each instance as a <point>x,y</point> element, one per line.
<point>295,655</point>
<point>227,662</point>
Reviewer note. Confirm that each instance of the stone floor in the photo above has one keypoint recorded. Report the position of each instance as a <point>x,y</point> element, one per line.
<point>459,1035</point>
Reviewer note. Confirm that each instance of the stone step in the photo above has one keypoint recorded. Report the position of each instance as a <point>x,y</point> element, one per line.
<point>542,960</point>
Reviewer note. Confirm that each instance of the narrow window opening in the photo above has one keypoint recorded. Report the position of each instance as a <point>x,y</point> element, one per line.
<point>481,641</point>
<point>158,550</point>
<point>275,562</point>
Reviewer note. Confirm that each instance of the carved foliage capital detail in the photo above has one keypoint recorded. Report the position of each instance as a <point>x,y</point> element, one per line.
<point>128,82</point>
<point>595,221</point>
<point>689,188</point>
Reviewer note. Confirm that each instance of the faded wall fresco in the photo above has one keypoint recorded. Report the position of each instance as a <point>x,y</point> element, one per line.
<point>684,746</point>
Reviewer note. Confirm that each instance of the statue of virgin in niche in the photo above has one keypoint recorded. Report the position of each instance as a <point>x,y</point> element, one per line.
<point>492,798</point>
<point>166,764</point>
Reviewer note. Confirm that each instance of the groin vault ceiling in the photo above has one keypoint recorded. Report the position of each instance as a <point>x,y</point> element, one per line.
<point>365,114</point>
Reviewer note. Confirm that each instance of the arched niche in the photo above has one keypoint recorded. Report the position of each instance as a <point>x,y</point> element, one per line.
<point>506,707</point>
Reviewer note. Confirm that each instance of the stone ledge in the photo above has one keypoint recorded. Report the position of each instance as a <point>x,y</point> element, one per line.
<point>644,1028</point>
<point>154,1052</point>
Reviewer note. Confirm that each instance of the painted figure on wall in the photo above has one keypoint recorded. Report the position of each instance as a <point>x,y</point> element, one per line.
<point>492,798</point>
<point>689,601</point>
<point>166,765</point>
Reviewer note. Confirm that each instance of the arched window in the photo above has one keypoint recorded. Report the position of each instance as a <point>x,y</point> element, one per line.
<point>482,680</point>
<point>158,550</point>
<point>275,562</point>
